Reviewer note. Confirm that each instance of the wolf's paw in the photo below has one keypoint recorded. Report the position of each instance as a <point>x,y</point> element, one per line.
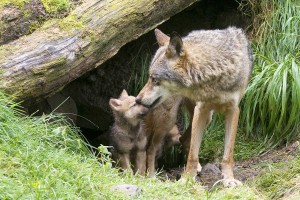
<point>231,182</point>
<point>199,168</point>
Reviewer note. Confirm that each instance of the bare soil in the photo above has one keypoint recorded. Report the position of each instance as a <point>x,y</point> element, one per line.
<point>244,169</point>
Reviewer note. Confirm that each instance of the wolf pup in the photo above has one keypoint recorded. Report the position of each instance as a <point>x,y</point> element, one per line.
<point>211,68</point>
<point>127,135</point>
<point>144,136</point>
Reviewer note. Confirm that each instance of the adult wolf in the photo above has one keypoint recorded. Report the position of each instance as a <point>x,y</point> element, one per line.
<point>211,68</point>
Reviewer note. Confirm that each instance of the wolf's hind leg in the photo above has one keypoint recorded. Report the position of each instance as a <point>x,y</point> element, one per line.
<point>151,155</point>
<point>231,123</point>
<point>155,146</point>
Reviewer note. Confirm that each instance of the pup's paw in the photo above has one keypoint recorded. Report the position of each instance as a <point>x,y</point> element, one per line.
<point>231,182</point>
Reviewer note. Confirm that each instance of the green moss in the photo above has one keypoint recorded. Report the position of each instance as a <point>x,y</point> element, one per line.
<point>70,22</point>
<point>27,14</point>
<point>54,6</point>
<point>18,3</point>
<point>33,26</point>
<point>6,50</point>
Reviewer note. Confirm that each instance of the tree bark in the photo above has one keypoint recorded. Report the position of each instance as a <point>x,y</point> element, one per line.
<point>42,63</point>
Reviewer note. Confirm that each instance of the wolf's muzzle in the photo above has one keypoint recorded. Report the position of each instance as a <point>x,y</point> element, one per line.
<point>139,101</point>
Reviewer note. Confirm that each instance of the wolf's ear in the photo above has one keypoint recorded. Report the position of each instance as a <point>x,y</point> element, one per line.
<point>175,45</point>
<point>123,94</point>
<point>115,104</point>
<point>162,39</point>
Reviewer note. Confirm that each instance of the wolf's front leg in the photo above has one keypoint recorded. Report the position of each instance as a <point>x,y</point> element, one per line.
<point>140,162</point>
<point>231,123</point>
<point>199,123</point>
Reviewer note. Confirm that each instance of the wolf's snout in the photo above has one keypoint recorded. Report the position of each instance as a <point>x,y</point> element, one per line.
<point>138,100</point>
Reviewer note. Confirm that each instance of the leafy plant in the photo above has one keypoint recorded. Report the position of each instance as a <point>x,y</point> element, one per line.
<point>139,75</point>
<point>270,109</point>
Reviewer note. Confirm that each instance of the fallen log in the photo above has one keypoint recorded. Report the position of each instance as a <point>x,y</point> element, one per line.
<point>43,62</point>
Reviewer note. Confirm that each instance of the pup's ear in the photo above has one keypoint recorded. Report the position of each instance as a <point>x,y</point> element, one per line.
<point>175,45</point>
<point>115,104</point>
<point>123,94</point>
<point>162,39</point>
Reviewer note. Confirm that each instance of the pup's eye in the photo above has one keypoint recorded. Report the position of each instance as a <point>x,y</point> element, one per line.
<point>132,105</point>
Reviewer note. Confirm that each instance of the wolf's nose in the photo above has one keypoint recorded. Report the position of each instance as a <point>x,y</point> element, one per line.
<point>138,100</point>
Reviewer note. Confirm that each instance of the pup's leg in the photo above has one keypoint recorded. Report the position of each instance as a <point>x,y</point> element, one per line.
<point>140,162</point>
<point>231,123</point>
<point>124,159</point>
<point>200,118</point>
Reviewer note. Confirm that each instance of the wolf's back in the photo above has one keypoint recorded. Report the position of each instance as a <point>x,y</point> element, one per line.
<point>220,56</point>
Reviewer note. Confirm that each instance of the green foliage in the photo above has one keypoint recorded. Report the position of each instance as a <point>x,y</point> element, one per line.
<point>270,110</point>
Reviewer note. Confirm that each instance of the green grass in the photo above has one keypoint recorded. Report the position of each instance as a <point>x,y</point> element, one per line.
<point>139,75</point>
<point>45,158</point>
<point>40,157</point>
<point>280,180</point>
<point>270,109</point>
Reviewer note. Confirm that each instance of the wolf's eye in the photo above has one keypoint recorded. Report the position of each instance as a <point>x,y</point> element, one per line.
<point>154,81</point>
